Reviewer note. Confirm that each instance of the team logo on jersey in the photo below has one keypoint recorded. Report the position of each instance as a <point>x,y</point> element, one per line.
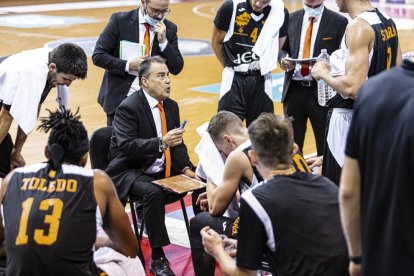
<point>242,20</point>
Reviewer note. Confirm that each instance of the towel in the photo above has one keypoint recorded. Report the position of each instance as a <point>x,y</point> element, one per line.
<point>22,86</point>
<point>211,162</point>
<point>337,62</point>
<point>226,80</point>
<point>117,264</point>
<point>267,44</point>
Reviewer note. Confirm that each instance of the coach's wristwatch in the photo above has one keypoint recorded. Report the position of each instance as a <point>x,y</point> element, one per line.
<point>162,146</point>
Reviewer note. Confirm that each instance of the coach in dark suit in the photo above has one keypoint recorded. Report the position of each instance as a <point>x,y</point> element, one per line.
<point>120,75</point>
<point>141,149</point>
<point>320,28</point>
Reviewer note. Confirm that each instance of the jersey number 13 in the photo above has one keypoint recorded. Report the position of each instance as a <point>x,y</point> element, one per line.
<point>53,220</point>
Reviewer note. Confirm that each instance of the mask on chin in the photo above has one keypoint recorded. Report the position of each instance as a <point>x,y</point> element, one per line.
<point>313,12</point>
<point>151,21</point>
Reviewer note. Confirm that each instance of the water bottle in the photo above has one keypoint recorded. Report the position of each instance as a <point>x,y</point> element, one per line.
<point>325,92</point>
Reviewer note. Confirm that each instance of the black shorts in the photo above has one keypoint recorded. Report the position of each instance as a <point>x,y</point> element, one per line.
<point>246,97</point>
<point>6,148</point>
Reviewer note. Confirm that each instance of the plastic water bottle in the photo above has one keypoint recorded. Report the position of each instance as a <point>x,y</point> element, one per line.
<point>325,92</point>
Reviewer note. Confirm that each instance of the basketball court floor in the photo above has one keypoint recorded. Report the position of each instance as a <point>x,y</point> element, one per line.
<point>32,24</point>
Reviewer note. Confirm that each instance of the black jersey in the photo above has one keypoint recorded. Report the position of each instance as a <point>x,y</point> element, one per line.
<point>50,224</point>
<point>245,183</point>
<point>294,221</point>
<point>382,140</point>
<point>247,25</point>
<point>384,52</point>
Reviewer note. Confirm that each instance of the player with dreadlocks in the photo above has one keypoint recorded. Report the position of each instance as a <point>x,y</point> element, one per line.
<point>51,209</point>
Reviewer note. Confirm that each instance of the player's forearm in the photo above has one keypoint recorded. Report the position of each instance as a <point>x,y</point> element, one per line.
<point>20,140</point>
<point>350,217</point>
<point>218,51</point>
<point>210,187</point>
<point>5,123</point>
<point>219,55</point>
<point>350,209</point>
<point>229,267</point>
<point>344,85</point>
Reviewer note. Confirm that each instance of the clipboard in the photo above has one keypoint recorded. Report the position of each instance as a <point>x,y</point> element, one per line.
<point>309,61</point>
<point>179,184</point>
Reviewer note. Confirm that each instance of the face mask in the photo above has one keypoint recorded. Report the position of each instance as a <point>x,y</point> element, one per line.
<point>313,12</point>
<point>151,21</point>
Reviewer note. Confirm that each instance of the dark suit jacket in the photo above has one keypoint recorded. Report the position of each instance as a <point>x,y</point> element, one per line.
<point>135,145</point>
<point>330,32</point>
<point>116,82</point>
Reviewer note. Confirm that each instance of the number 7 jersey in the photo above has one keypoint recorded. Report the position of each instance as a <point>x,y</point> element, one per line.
<point>50,223</point>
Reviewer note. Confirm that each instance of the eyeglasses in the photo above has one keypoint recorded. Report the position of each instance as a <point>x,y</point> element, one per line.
<point>156,13</point>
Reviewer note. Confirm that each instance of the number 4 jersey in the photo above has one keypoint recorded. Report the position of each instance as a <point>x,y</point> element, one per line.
<point>50,223</point>
<point>243,28</point>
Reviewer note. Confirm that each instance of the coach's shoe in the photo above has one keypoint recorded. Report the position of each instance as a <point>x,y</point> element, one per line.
<point>161,267</point>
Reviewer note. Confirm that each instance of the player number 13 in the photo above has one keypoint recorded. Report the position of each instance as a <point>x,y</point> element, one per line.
<point>53,220</point>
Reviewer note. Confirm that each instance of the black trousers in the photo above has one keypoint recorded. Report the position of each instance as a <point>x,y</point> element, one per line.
<point>110,119</point>
<point>6,148</point>
<point>203,263</point>
<point>154,199</point>
<point>247,98</point>
<point>301,103</point>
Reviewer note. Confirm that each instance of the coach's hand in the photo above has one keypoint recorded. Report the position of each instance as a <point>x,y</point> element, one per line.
<point>173,137</point>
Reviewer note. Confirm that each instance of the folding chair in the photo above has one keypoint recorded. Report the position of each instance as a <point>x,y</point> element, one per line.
<point>98,152</point>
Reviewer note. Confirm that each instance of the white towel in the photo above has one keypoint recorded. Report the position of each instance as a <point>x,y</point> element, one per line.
<point>337,62</point>
<point>210,158</point>
<point>267,45</point>
<point>117,264</point>
<point>226,80</point>
<point>22,86</point>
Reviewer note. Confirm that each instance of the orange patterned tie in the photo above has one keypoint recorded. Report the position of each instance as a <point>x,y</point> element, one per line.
<point>167,152</point>
<point>147,37</point>
<point>306,50</point>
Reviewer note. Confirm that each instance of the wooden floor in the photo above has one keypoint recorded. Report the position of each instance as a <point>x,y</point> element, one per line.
<point>194,20</point>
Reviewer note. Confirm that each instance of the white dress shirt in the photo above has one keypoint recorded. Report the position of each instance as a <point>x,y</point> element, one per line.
<point>305,23</point>
<point>158,165</point>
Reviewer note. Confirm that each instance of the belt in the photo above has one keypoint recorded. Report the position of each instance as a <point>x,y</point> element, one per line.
<point>249,72</point>
<point>305,83</point>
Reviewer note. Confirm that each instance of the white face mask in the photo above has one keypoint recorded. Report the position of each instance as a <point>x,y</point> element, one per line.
<point>151,21</point>
<point>313,12</point>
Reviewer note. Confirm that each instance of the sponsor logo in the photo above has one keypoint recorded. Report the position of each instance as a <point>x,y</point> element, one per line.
<point>246,58</point>
<point>242,20</point>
